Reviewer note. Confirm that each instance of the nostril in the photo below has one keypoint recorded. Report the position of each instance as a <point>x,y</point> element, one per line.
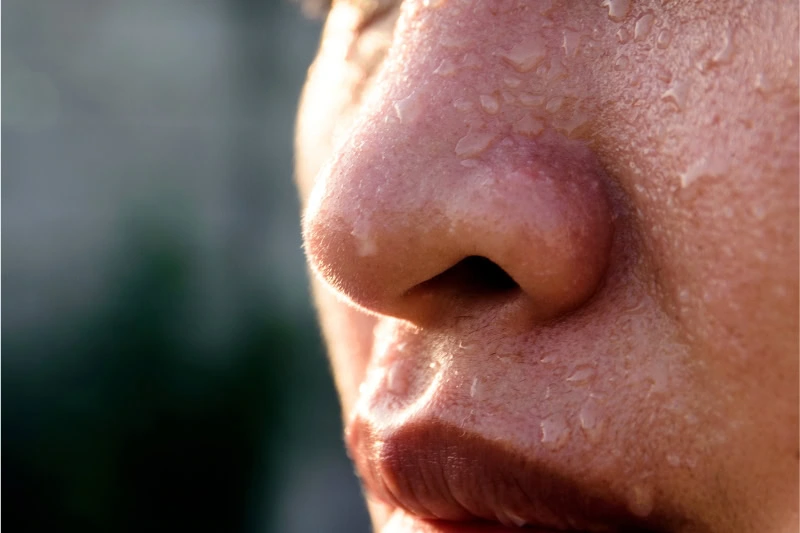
<point>473,276</point>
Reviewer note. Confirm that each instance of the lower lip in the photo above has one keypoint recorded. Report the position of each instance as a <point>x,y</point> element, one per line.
<point>402,522</point>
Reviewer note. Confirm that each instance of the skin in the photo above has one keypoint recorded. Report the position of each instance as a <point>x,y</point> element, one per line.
<point>635,172</point>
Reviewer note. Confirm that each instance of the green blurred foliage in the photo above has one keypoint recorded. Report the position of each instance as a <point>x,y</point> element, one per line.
<point>119,421</point>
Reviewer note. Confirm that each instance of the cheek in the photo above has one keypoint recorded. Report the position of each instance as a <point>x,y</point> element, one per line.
<point>695,122</point>
<point>348,333</point>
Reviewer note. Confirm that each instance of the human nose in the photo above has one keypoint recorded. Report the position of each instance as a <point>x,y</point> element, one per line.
<point>423,216</point>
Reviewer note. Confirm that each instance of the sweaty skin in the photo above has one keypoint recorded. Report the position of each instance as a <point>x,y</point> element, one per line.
<point>569,229</point>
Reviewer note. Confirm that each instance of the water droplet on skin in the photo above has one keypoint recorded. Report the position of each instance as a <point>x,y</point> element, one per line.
<point>571,42</point>
<point>409,108</point>
<point>623,36</point>
<point>643,26</point>
<point>473,389</point>
<point>474,143</point>
<point>706,166</point>
<point>530,100</point>
<point>590,421</point>
<point>617,9</point>
<point>524,56</point>
<point>529,126</point>
<point>622,63</point>
<point>547,359</point>
<point>663,39</point>
<point>725,54</point>
<point>640,500</point>
<point>512,82</point>
<point>677,94</point>
<point>510,519</point>
<point>555,432</point>
<point>365,243</point>
<point>471,61</point>
<point>489,103</point>
<point>572,125</point>
<point>462,104</point>
<point>582,374</point>
<point>662,74</point>
<point>542,70</point>
<point>554,104</point>
<point>446,68</point>
<point>397,378</point>
<point>455,40</point>
<point>763,85</point>
<point>556,71</point>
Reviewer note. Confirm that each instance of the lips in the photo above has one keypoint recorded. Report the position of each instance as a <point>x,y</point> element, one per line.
<point>444,456</point>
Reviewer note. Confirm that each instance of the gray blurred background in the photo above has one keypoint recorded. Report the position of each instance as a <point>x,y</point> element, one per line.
<point>162,370</point>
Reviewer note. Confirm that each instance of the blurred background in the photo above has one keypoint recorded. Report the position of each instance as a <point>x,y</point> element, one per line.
<point>162,369</point>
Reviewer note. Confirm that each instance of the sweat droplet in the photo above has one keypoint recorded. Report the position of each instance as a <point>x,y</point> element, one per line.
<point>623,36</point>
<point>582,374</point>
<point>590,421</point>
<point>643,26</point>
<point>725,53</point>
<point>510,519</point>
<point>617,9</point>
<point>409,108</point>
<point>473,389</point>
<point>763,84</point>
<point>554,432</point>
<point>573,124</point>
<point>397,378</point>
<point>571,43</point>
<point>622,63</point>
<point>554,104</point>
<point>474,143</point>
<point>640,500</point>
<point>525,55</point>
<point>663,39</point>
<point>364,241</point>
<point>677,94</point>
<point>713,166</point>
<point>446,68</point>
<point>489,103</point>
<point>462,104</point>
<point>529,126</point>
<point>530,100</point>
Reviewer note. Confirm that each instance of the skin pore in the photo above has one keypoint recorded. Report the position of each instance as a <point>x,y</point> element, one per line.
<point>569,229</point>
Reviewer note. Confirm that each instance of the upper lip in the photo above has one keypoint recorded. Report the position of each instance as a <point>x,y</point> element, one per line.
<point>422,460</point>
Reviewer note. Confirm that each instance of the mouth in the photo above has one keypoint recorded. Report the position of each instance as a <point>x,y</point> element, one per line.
<point>440,478</point>
<point>439,454</point>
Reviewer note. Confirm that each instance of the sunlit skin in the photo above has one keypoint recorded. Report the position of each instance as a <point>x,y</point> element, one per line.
<point>628,174</point>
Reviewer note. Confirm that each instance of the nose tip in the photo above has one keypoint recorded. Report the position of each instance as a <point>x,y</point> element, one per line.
<point>399,235</point>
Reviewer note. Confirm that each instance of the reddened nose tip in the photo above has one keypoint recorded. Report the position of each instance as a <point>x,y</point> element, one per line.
<point>379,230</point>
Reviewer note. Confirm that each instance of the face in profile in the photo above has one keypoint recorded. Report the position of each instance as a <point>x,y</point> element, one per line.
<point>554,248</point>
